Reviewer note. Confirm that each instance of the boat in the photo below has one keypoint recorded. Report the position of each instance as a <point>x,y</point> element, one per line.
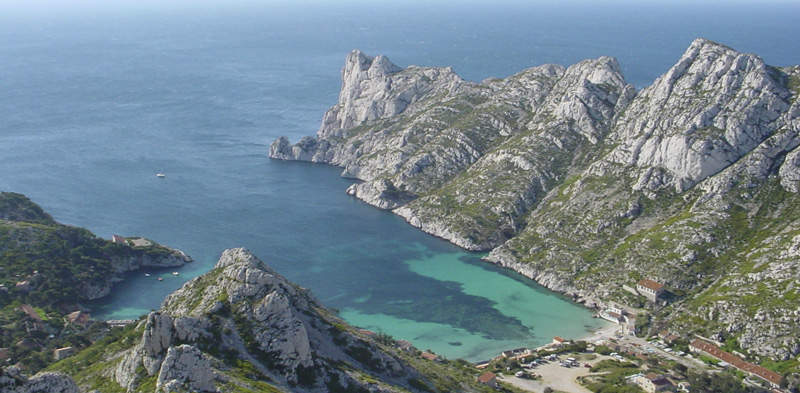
<point>161,175</point>
<point>160,279</point>
<point>147,274</point>
<point>175,273</point>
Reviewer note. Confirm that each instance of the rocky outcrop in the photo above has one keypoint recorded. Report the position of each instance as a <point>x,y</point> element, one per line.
<point>127,259</point>
<point>708,111</point>
<point>242,312</point>
<point>12,380</point>
<point>185,368</point>
<point>573,179</point>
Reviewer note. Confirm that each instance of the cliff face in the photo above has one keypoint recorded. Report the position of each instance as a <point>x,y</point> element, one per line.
<point>243,326</point>
<point>571,177</point>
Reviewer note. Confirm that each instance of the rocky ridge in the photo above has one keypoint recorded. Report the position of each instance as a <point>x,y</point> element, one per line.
<point>571,177</point>
<point>243,327</point>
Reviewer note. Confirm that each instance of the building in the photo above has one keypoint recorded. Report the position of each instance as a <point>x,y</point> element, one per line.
<point>612,314</point>
<point>559,341</point>
<point>430,356</point>
<point>488,379</point>
<point>650,289</point>
<point>653,382</point>
<point>62,353</point>
<point>404,345</point>
<point>668,337</point>
<point>772,378</point>
<point>120,322</point>
<point>515,353</point>
<point>119,239</point>
<point>78,318</point>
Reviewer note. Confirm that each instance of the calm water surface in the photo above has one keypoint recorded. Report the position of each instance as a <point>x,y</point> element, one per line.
<point>95,98</point>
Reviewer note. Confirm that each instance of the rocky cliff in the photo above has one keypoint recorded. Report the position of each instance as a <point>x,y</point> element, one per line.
<point>243,327</point>
<point>571,177</point>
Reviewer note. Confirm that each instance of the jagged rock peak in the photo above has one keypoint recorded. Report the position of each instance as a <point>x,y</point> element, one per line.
<point>710,109</point>
<point>358,62</point>
<point>240,257</point>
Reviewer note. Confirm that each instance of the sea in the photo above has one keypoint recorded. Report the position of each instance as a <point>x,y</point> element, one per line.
<point>97,97</point>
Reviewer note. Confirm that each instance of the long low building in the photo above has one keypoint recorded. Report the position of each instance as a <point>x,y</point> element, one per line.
<point>702,347</point>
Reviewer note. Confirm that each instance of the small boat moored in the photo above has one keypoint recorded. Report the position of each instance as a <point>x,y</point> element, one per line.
<point>161,175</point>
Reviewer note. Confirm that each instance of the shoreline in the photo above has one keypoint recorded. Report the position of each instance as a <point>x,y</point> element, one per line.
<point>602,333</point>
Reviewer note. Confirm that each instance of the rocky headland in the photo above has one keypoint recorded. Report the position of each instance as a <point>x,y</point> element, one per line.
<point>37,249</point>
<point>571,177</point>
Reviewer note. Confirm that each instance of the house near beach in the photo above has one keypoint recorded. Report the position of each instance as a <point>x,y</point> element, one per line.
<point>513,353</point>
<point>404,346</point>
<point>488,379</point>
<point>612,314</point>
<point>430,356</point>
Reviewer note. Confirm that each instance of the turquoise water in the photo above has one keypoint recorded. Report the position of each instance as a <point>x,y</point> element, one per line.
<point>98,97</point>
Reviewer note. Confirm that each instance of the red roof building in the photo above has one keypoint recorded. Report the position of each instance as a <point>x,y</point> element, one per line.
<point>489,379</point>
<point>773,378</point>
<point>650,289</point>
<point>79,318</point>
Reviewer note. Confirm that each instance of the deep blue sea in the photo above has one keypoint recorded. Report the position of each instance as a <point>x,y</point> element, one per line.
<point>97,97</point>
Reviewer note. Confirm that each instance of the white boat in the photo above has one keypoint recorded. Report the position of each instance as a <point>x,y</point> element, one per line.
<point>175,273</point>
<point>160,279</point>
<point>160,175</point>
<point>147,274</point>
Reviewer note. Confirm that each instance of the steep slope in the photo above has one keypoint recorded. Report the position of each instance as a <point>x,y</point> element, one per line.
<point>573,179</point>
<point>243,327</point>
<point>477,156</point>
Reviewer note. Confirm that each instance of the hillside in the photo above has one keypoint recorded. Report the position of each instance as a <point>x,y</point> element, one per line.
<point>47,269</point>
<point>576,180</point>
<point>242,327</point>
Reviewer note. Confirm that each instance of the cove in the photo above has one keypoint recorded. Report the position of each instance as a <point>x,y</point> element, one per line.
<point>95,103</point>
